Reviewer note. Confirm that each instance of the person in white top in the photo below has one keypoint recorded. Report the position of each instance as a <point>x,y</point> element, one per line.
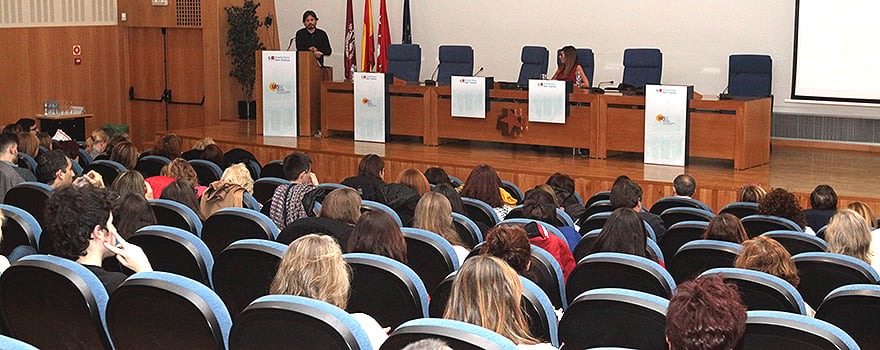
<point>434,213</point>
<point>313,267</point>
<point>848,234</point>
<point>487,292</point>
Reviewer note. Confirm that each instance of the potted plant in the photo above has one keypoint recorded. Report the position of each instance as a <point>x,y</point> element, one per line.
<point>243,43</point>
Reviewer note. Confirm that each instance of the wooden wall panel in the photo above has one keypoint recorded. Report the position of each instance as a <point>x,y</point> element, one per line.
<point>147,76</point>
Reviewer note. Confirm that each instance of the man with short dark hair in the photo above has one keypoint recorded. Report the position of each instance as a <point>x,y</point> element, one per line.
<point>627,193</point>
<point>312,39</point>
<point>705,314</point>
<point>684,185</point>
<point>9,174</point>
<point>54,169</point>
<point>288,200</point>
<point>80,223</point>
<point>823,205</point>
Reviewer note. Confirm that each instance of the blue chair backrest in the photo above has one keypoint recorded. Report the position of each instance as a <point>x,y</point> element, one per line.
<point>379,206</point>
<point>206,170</point>
<point>183,313</point>
<point>189,220</point>
<point>228,225</point>
<point>273,168</point>
<point>476,235</point>
<point>642,66</point>
<point>547,259</point>
<point>762,291</point>
<point>756,225</point>
<point>619,270</point>
<point>539,300</point>
<point>772,329</point>
<point>653,247</point>
<point>435,239</point>
<point>456,334</point>
<point>244,270</point>
<point>513,189</point>
<point>853,308</point>
<point>472,206</point>
<point>162,244</point>
<point>696,257</point>
<point>378,301</point>
<point>85,155</point>
<point>405,61</point>
<point>798,242</point>
<point>77,169</point>
<point>750,75</point>
<point>151,165</point>
<point>564,217</point>
<point>308,323</point>
<point>455,181</point>
<point>20,228</point>
<point>820,273</point>
<point>595,319</point>
<point>534,63</point>
<point>30,162</point>
<point>107,168</point>
<point>740,209</point>
<point>8,343</point>
<point>429,255</point>
<point>587,62</point>
<point>673,202</point>
<point>455,60</point>
<point>675,215</point>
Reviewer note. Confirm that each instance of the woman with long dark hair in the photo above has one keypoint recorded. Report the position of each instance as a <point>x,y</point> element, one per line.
<point>570,69</point>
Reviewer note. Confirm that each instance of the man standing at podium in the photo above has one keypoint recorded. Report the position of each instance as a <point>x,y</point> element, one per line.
<point>313,39</point>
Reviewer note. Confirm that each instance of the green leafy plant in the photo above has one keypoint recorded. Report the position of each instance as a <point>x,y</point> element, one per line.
<point>243,43</point>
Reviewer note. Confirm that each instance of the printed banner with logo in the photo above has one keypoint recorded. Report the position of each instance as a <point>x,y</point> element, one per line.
<point>469,96</point>
<point>280,111</point>
<point>371,114</point>
<point>548,101</point>
<point>666,124</point>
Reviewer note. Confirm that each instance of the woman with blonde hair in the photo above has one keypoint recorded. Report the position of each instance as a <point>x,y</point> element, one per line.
<point>434,213</point>
<point>848,234</point>
<point>487,292</point>
<point>865,211</point>
<point>96,143</point>
<point>313,267</point>
<point>752,193</point>
<point>228,192</point>
<point>239,174</point>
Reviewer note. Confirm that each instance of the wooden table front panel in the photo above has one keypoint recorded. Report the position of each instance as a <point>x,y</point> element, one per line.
<point>407,112</point>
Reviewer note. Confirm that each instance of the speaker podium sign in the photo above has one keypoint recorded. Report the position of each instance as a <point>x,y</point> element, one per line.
<point>667,122</point>
<point>280,104</point>
<point>372,120</point>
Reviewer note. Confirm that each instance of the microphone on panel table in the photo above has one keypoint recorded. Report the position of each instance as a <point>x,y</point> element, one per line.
<point>433,80</point>
<point>724,95</point>
<point>477,72</point>
<point>290,43</point>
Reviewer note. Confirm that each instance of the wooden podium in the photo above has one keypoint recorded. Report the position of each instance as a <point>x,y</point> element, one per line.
<point>308,88</point>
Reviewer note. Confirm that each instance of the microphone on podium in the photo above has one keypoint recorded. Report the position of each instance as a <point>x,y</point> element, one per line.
<point>433,81</point>
<point>477,72</point>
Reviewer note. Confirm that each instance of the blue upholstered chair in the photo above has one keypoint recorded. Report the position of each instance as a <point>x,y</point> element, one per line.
<point>467,229</point>
<point>821,273</point>
<point>371,205</point>
<point>264,189</point>
<point>547,274</point>
<point>595,221</point>
<point>273,168</point>
<point>182,314</point>
<point>798,242</point>
<point>27,162</point>
<point>598,196</point>
<point>108,169</point>
<point>679,234</point>
<point>458,335</point>
<point>20,228</point>
<point>84,156</point>
<point>696,257</point>
<point>386,289</point>
<point>294,322</point>
<point>534,63</point>
<point>8,343</point>
<point>775,330</point>
<point>244,270</point>
<point>855,309</point>
<point>228,225</point>
<point>587,62</point>
<point>174,250</point>
<point>675,215</point>
<point>239,155</point>
<point>762,291</point>
<point>600,206</point>
<point>206,170</point>
<point>174,214</point>
<point>750,75</point>
<point>30,196</point>
<point>455,60</point>
<point>642,66</point>
<point>479,211</point>
<point>757,225</point>
<point>151,165</point>
<point>249,202</point>
<point>673,202</point>
<point>405,61</point>
<point>618,270</point>
<point>429,255</point>
<point>615,317</point>
<point>740,209</point>
<point>52,303</point>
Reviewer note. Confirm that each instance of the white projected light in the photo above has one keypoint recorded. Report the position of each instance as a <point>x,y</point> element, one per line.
<point>836,56</point>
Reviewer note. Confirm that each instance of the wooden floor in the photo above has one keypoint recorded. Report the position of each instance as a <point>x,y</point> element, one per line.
<point>797,169</point>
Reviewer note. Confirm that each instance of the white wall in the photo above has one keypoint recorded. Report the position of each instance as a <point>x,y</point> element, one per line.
<point>695,36</point>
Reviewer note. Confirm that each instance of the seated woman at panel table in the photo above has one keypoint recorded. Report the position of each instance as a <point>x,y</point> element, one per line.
<point>570,69</point>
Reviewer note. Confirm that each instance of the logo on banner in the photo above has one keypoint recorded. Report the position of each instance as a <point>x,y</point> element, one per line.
<point>279,58</point>
<point>367,102</point>
<point>511,122</point>
<point>662,119</point>
<point>277,88</point>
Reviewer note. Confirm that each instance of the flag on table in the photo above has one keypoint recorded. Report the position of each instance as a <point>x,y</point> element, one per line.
<point>384,39</point>
<point>368,58</point>
<point>407,26</point>
<point>349,53</point>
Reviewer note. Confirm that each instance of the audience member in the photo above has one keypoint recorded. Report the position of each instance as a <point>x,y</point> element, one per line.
<point>570,70</point>
<point>865,212</point>
<point>198,148</point>
<point>240,175</point>
<point>484,184</point>
<point>131,181</point>
<point>289,202</point>
<point>313,267</point>
<point>452,195</point>
<point>848,234</point>
<point>168,146</point>
<point>550,191</point>
<point>97,142</point>
<point>628,194</point>
<point>369,180</point>
<point>124,153</point>
<point>487,292</point>
<point>752,193</point>
<point>28,125</point>
<point>228,192</point>
<point>766,255</point>
<point>183,192</point>
<point>45,139</point>
<point>726,227</point>
<point>705,314</point>
<point>437,176</point>
<point>28,143</point>
<point>71,150</point>
<point>823,205</point>
<point>414,179</point>
<point>433,213</point>
<point>13,129</point>
<point>54,169</point>
<point>214,154</point>
<point>684,185</point>
<point>539,206</point>
<point>132,213</point>
<point>782,203</point>
<point>563,187</point>
<point>340,211</point>
<point>179,168</point>
<point>376,232</point>
<point>511,244</point>
<point>81,222</point>
<point>624,232</point>
<point>9,175</point>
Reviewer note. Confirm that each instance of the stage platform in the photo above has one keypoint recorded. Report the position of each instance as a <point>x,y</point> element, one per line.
<point>797,169</point>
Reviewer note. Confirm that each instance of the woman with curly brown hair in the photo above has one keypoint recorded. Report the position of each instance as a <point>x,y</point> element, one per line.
<point>766,255</point>
<point>782,203</point>
<point>511,244</point>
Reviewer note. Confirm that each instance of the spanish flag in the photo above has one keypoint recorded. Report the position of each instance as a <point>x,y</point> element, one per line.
<point>368,56</point>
